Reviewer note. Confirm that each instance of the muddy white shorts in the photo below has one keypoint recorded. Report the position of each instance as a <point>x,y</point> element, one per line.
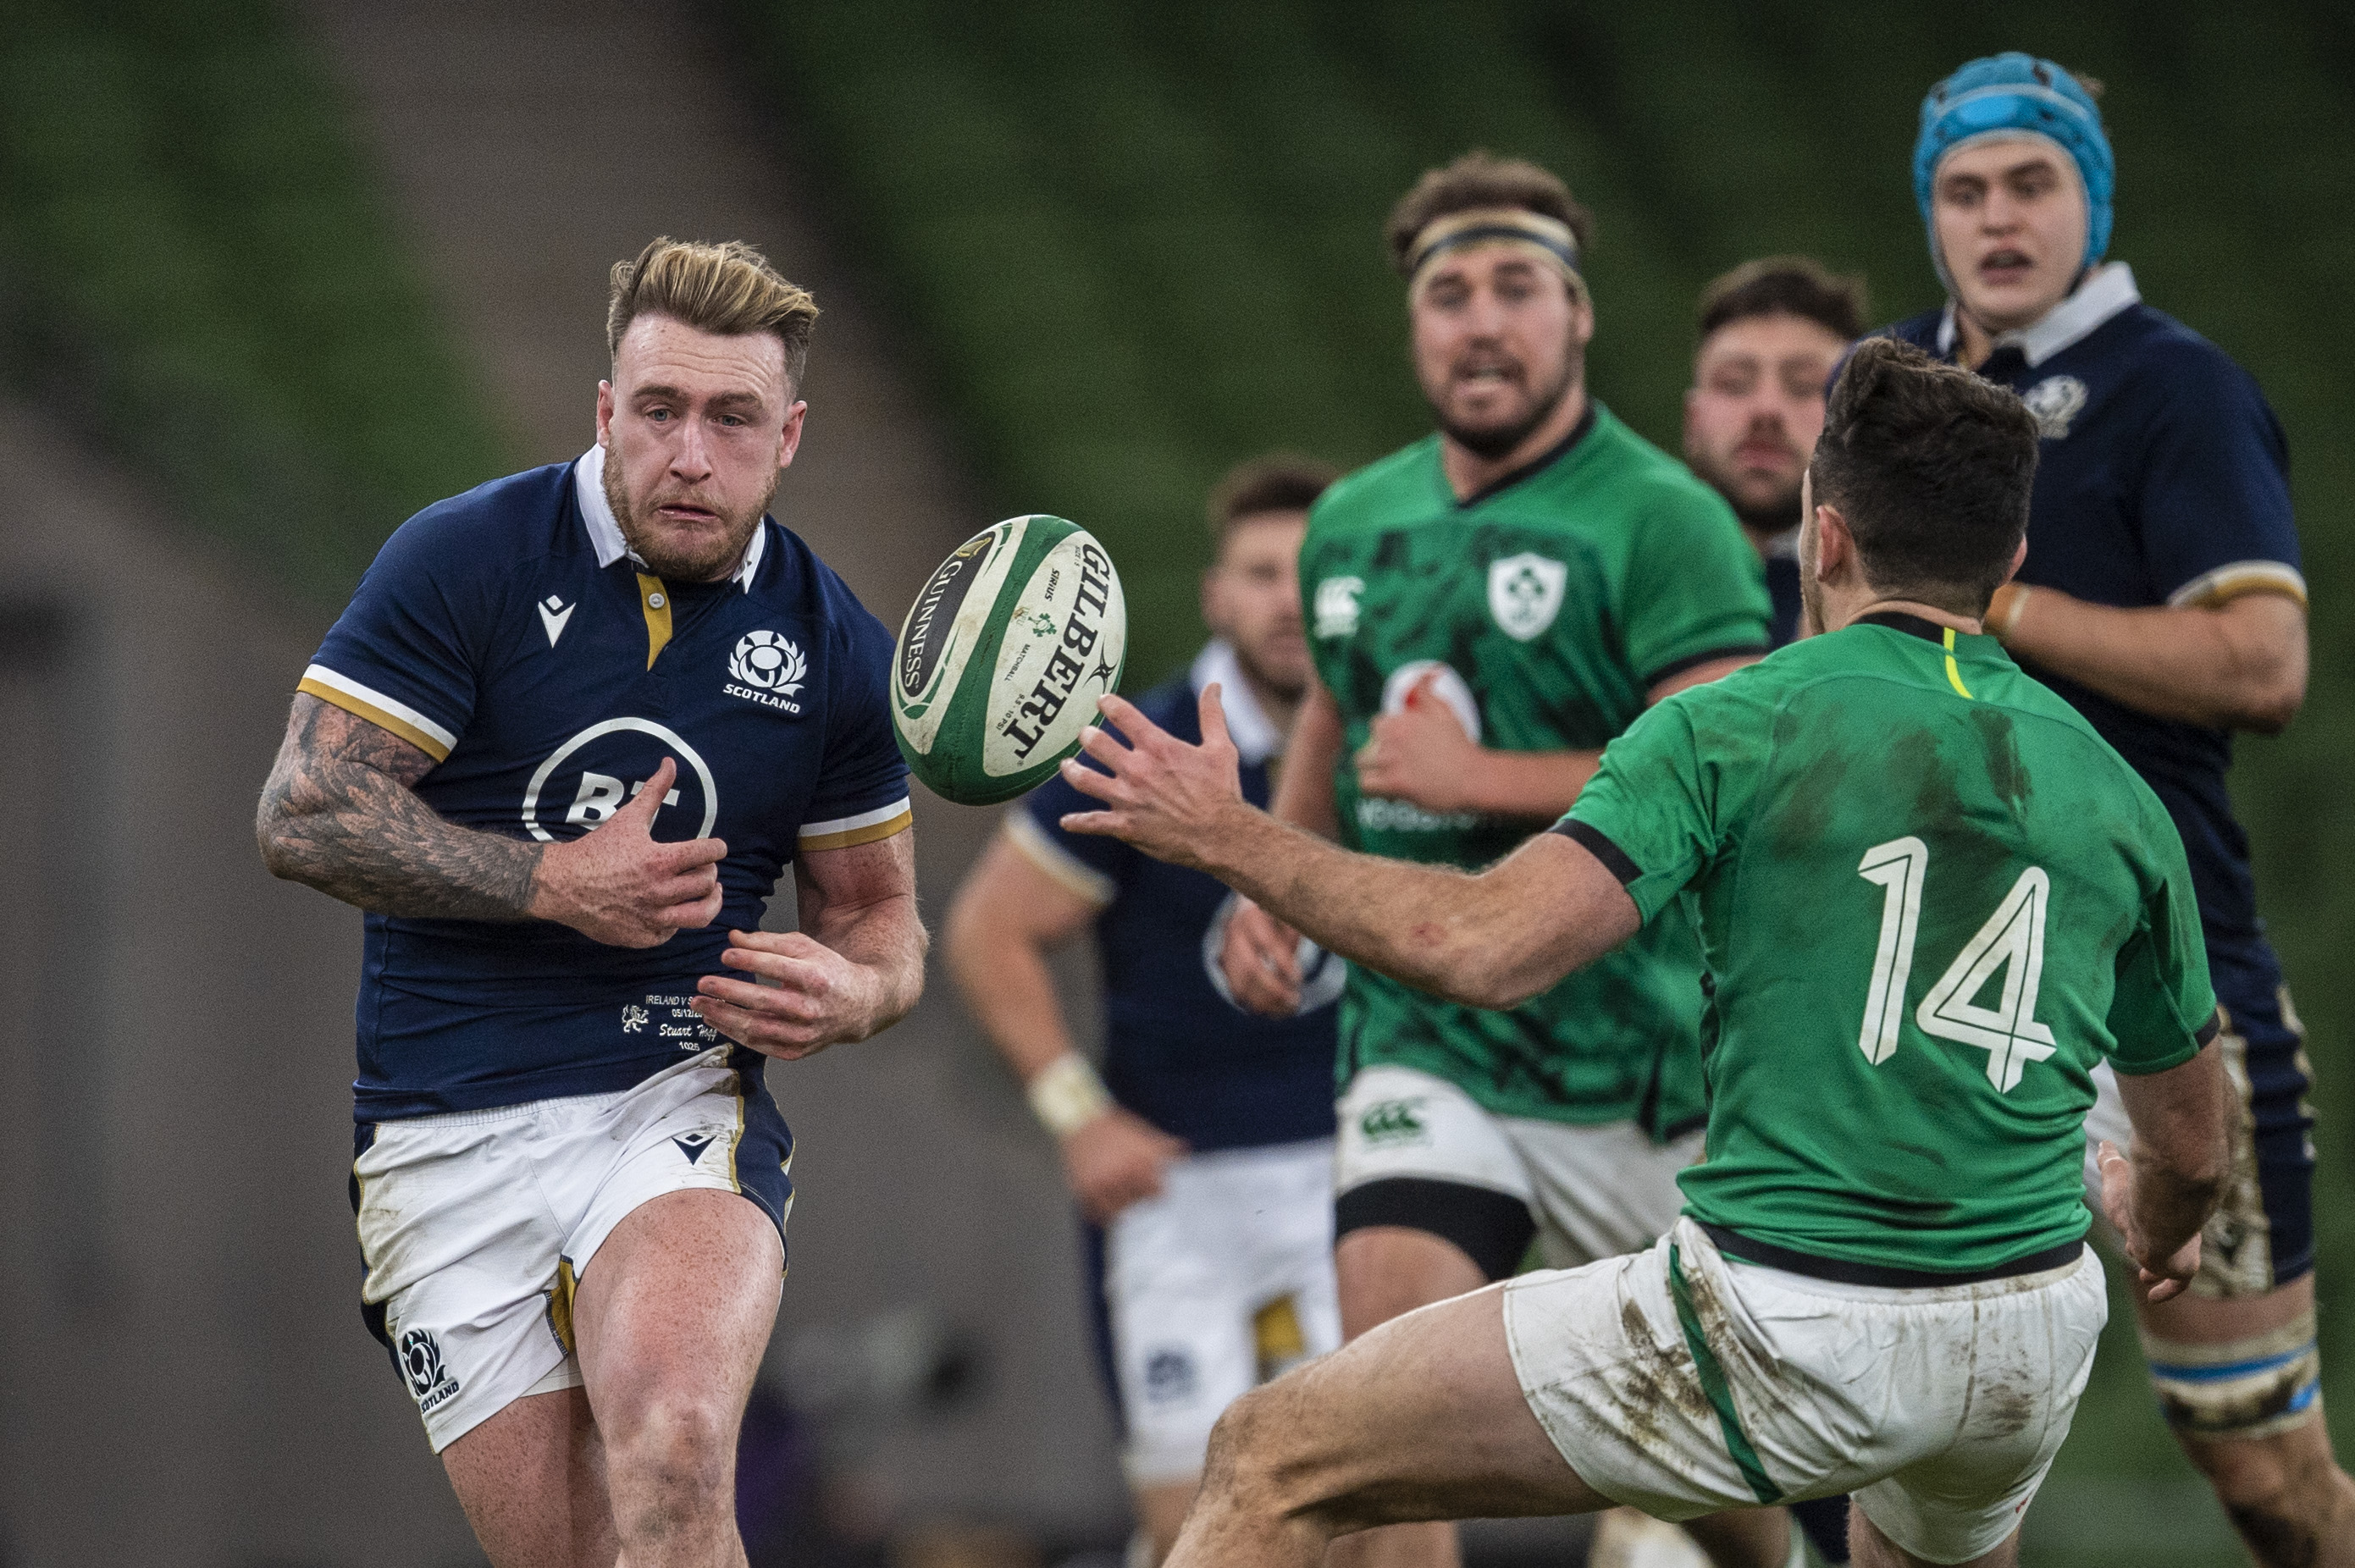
<point>1681,1382</point>
<point>1223,1280</point>
<point>476,1226</point>
<point>1416,1150</point>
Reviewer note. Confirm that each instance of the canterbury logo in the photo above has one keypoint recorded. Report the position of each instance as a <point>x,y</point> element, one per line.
<point>1392,1121</point>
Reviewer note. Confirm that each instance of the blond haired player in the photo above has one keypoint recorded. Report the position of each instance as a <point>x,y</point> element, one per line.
<point>571,730</point>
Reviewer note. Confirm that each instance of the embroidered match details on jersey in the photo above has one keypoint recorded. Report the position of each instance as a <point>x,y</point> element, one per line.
<point>1926,917</point>
<point>510,635</point>
<point>1540,613</point>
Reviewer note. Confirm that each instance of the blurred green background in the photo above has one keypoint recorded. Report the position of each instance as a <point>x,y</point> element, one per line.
<point>1131,245</point>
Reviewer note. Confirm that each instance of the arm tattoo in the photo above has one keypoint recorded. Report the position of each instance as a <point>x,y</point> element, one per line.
<point>339,815</point>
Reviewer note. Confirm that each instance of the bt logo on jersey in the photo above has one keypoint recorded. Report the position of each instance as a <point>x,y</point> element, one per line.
<point>614,761</point>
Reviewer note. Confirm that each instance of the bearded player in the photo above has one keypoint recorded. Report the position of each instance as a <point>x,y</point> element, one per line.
<point>2162,597</point>
<point>1933,902</point>
<point>1771,332</point>
<point>571,730</point>
<point>1486,610</point>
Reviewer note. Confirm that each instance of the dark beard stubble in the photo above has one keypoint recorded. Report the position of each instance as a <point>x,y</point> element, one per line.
<point>1496,442</point>
<point>703,566</point>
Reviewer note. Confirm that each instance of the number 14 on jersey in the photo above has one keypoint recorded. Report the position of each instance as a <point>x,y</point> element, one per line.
<point>2012,939</point>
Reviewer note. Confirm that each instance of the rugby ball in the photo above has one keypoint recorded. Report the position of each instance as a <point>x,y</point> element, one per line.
<point>1003,656</point>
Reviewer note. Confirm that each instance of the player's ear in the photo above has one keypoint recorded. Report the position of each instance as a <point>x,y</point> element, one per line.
<point>789,440</point>
<point>2018,558</point>
<point>1834,543</point>
<point>605,413</point>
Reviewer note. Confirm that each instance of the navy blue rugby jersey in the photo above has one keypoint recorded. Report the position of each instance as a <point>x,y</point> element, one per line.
<point>1177,1050</point>
<point>2162,478</point>
<point>509,633</point>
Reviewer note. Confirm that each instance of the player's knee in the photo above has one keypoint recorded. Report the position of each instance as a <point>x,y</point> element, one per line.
<point>677,1455</point>
<point>1248,1459</point>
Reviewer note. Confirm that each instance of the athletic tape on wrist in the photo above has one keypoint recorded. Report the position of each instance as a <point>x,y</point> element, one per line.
<point>1068,1096</point>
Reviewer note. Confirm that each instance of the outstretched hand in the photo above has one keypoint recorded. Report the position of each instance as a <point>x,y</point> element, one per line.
<point>2155,1279</point>
<point>617,884</point>
<point>1169,799</point>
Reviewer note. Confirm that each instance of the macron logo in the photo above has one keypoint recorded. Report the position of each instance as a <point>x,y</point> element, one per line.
<point>553,614</point>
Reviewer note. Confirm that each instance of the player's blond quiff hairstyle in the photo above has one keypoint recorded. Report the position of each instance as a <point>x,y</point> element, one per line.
<point>728,288</point>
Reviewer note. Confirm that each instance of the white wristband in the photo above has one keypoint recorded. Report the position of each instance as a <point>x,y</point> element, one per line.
<point>1068,1095</point>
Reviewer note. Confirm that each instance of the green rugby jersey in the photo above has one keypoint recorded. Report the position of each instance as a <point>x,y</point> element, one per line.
<point>1930,899</point>
<point>1554,601</point>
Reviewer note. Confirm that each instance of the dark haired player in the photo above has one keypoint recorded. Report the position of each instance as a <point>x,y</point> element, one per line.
<point>1207,1159</point>
<point>1932,900</point>
<point>573,726</point>
<point>2162,597</point>
<point>1486,609</point>
<point>1771,332</point>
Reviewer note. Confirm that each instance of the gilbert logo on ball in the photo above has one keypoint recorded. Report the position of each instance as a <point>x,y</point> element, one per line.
<point>1003,656</point>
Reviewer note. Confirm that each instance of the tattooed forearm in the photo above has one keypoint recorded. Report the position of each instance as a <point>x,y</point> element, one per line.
<point>338,815</point>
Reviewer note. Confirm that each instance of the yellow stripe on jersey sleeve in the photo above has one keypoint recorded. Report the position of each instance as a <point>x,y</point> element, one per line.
<point>385,713</point>
<point>2226,584</point>
<point>1058,864</point>
<point>867,828</point>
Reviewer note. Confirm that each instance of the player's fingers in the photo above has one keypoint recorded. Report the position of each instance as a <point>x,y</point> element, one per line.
<point>1089,781</point>
<point>641,807</point>
<point>690,853</point>
<point>1096,824</point>
<point>1107,748</point>
<point>1212,710</point>
<point>781,1003</point>
<point>808,974</point>
<point>1129,719</point>
<point>695,915</point>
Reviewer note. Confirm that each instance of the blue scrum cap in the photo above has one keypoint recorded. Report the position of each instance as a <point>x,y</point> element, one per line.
<point>2015,94</point>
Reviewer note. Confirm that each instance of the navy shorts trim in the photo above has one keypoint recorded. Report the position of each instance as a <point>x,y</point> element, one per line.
<point>765,1154</point>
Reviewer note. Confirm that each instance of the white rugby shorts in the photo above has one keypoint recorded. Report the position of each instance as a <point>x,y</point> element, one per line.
<point>476,1226</point>
<point>1938,1409</point>
<point>1595,1191</point>
<point>1224,1279</point>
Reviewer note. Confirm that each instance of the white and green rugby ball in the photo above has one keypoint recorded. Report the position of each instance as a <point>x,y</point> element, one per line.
<point>1003,656</point>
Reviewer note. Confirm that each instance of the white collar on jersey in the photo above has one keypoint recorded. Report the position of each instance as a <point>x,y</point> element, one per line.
<point>2109,289</point>
<point>1255,733</point>
<point>2096,300</point>
<point>589,487</point>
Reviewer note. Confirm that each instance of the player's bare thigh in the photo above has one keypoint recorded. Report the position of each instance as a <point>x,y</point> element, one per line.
<point>673,1313</point>
<point>1421,1418</point>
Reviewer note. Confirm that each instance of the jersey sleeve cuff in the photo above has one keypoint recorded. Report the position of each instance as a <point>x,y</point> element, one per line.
<point>867,828</point>
<point>1592,839</point>
<point>1038,846</point>
<point>2238,578</point>
<point>1677,666</point>
<point>389,713</point>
